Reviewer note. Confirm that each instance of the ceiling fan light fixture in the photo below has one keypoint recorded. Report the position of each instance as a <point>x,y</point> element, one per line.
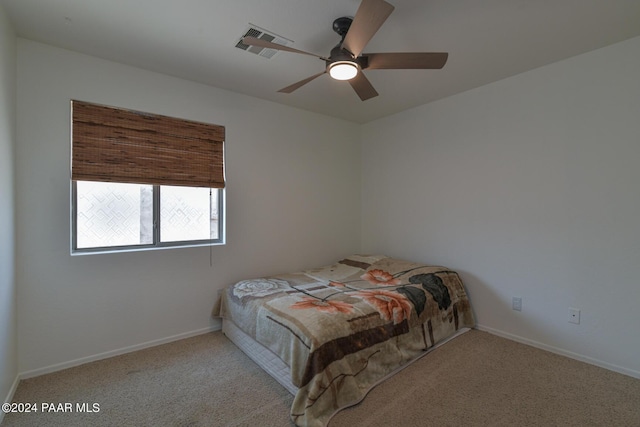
<point>343,70</point>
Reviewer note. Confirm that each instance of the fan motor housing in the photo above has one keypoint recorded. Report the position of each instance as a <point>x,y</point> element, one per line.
<point>338,53</point>
<point>342,25</point>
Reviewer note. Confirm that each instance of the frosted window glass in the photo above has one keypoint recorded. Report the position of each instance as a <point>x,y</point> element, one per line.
<point>188,214</point>
<point>113,214</point>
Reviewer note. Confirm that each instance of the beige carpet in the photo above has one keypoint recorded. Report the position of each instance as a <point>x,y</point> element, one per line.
<point>475,380</point>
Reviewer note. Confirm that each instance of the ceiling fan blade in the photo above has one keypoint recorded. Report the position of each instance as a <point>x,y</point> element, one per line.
<point>370,16</point>
<point>252,41</point>
<point>301,83</point>
<point>406,60</point>
<point>363,86</point>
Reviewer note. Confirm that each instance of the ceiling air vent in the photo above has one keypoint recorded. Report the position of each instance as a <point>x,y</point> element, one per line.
<point>259,33</point>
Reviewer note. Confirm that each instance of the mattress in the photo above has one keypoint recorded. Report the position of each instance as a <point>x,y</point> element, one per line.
<point>274,366</point>
<point>263,357</point>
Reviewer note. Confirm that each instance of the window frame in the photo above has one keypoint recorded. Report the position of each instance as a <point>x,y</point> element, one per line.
<point>120,145</point>
<point>157,244</point>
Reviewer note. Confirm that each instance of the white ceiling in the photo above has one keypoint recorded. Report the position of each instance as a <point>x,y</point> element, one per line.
<point>487,40</point>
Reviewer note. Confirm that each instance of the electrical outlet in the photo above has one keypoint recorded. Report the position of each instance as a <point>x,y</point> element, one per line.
<point>516,303</point>
<point>574,316</point>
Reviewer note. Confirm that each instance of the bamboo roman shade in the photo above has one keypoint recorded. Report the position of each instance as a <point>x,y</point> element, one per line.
<point>118,145</point>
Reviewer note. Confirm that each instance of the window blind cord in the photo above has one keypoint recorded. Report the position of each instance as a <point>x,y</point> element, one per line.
<point>210,245</point>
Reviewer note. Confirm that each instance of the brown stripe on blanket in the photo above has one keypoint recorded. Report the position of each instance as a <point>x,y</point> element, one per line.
<point>424,338</point>
<point>455,314</point>
<point>356,264</point>
<point>315,288</point>
<point>424,334</point>
<point>290,330</point>
<point>366,316</point>
<point>295,290</point>
<point>334,350</point>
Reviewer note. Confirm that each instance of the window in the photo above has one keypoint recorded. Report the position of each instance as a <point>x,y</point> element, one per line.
<point>144,181</point>
<point>112,216</point>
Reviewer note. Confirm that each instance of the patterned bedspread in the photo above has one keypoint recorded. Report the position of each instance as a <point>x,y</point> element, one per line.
<point>345,327</point>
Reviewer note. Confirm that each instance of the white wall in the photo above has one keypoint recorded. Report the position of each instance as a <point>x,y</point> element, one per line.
<point>529,187</point>
<point>8,328</point>
<point>292,202</point>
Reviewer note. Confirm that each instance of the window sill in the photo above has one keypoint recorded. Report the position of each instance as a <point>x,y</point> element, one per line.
<point>117,250</point>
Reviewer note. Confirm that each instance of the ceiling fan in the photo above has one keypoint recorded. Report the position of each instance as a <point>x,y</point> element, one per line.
<point>346,60</point>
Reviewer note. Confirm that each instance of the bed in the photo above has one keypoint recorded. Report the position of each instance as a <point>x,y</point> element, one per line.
<point>331,334</point>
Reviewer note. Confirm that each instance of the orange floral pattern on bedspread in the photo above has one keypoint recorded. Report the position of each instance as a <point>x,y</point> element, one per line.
<point>325,306</point>
<point>380,277</point>
<point>391,305</point>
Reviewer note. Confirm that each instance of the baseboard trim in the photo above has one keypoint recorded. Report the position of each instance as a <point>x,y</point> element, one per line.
<point>118,352</point>
<point>560,351</point>
<point>12,392</point>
